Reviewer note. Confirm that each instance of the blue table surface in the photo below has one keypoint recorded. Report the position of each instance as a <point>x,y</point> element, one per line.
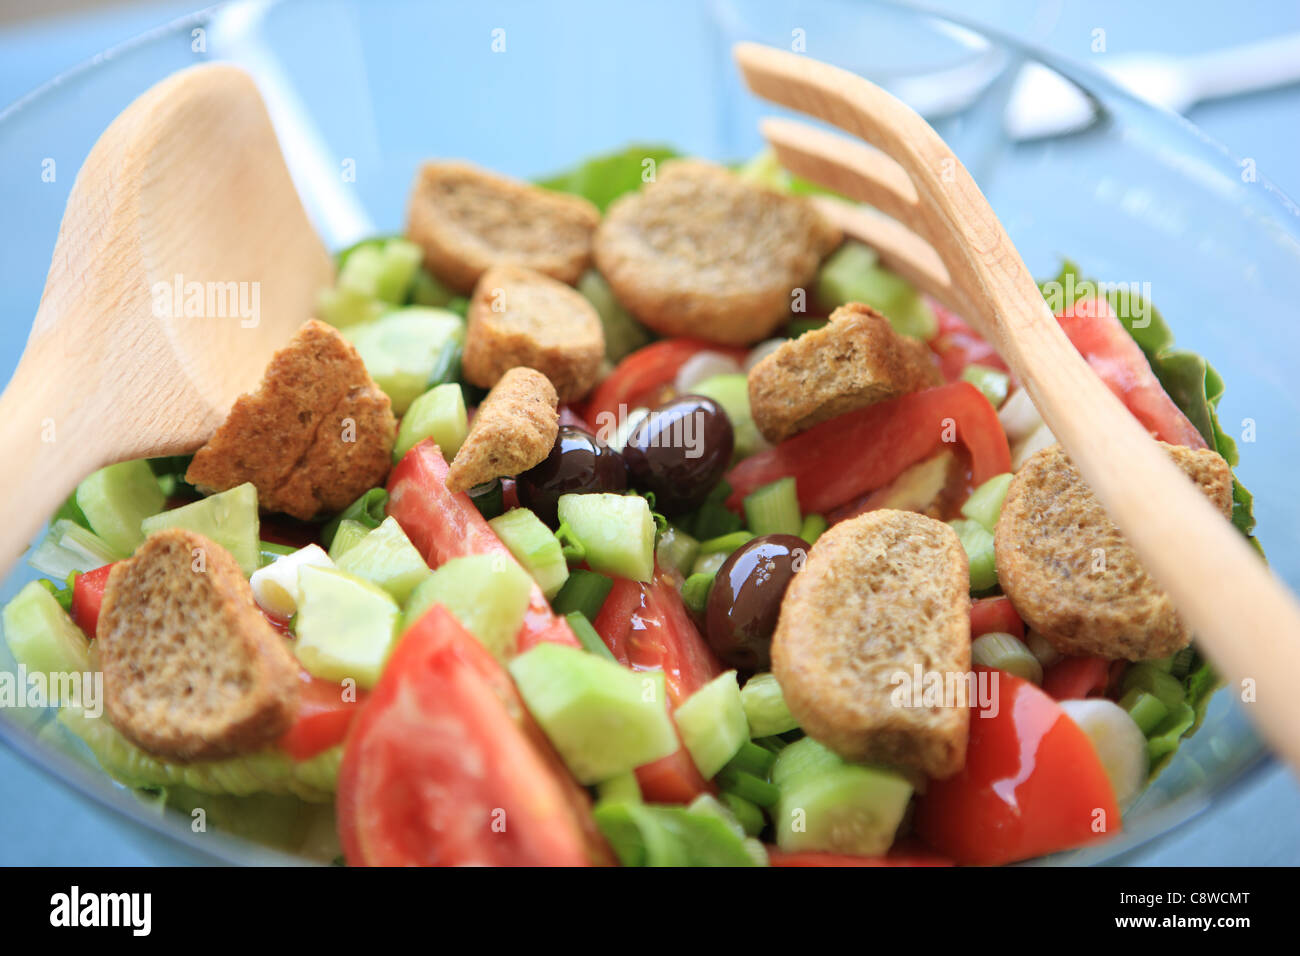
<point>44,823</point>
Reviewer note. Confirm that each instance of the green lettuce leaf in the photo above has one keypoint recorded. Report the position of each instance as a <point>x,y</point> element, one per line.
<point>602,179</point>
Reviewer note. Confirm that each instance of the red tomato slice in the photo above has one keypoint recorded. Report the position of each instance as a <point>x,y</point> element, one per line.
<point>991,614</point>
<point>1032,784</point>
<point>443,525</point>
<point>88,597</point>
<point>958,345</point>
<point>1102,339</point>
<point>646,627</point>
<point>863,450</point>
<point>1073,678</point>
<point>438,771</point>
<point>642,379</point>
<point>324,716</point>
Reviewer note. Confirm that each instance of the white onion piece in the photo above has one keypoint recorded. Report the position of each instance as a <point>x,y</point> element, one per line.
<point>1042,648</point>
<point>1040,439</point>
<point>1118,740</point>
<point>761,351</point>
<point>275,587</point>
<point>701,366</point>
<point>1019,417</point>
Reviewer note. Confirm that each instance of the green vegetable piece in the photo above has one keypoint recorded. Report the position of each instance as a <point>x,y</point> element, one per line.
<point>725,544</point>
<point>369,510</point>
<point>438,414</point>
<point>346,627</point>
<point>387,558</point>
<point>993,383</point>
<point>41,636</point>
<point>585,592</point>
<point>748,815</point>
<point>488,498</point>
<point>676,549</point>
<point>985,503</point>
<point>695,591</point>
<point>616,531</point>
<point>623,333</point>
<point>270,551</point>
<point>812,528</point>
<point>765,707</point>
<point>602,718</point>
<point>1147,676</point>
<point>978,544</point>
<point>731,391</point>
<point>1166,735</point>
<point>753,788</point>
<point>708,565</point>
<point>116,499</point>
<point>647,835</point>
<point>602,179</point>
<point>344,308</point>
<point>67,548</point>
<point>852,274</point>
<point>427,290</point>
<point>1006,652</point>
<point>347,535</point>
<point>228,518</point>
<point>487,593</point>
<point>587,636</point>
<point>712,724</point>
<point>401,349</point>
<point>535,547</point>
<point>1146,709</point>
<point>774,508</point>
<point>623,787</point>
<point>751,758</point>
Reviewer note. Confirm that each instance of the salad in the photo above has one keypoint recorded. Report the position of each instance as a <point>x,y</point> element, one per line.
<point>636,517</point>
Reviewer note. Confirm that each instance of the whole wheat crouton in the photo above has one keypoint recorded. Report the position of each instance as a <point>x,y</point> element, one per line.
<point>701,252</point>
<point>879,595</point>
<point>192,670</point>
<point>855,360</point>
<point>521,317</point>
<point>512,430</point>
<point>1069,572</point>
<point>467,219</point>
<point>316,434</point>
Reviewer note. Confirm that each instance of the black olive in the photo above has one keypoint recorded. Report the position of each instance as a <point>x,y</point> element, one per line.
<point>746,598</point>
<point>679,451</point>
<point>578,462</point>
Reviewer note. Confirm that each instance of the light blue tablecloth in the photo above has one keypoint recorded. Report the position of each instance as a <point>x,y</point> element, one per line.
<point>42,822</point>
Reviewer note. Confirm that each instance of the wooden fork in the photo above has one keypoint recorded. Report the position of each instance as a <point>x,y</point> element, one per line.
<point>938,231</point>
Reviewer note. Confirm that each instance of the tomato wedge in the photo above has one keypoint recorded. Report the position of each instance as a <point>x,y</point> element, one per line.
<point>1073,678</point>
<point>646,627</point>
<point>863,450</point>
<point>991,614</point>
<point>1032,784</point>
<point>958,345</point>
<point>1102,339</point>
<point>438,769</point>
<point>642,379</point>
<point>325,712</point>
<point>88,597</point>
<point>443,524</point>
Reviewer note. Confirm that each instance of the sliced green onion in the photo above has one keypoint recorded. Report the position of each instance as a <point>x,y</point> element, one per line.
<point>574,551</point>
<point>714,519</point>
<point>61,594</point>
<point>748,786</point>
<point>747,814</point>
<point>774,508</point>
<point>446,367</point>
<point>270,551</point>
<point>751,758</point>
<point>488,498</point>
<point>369,509</point>
<point>584,592</point>
<point>812,528</point>
<point>1146,709</point>
<point>1006,653</point>
<point>985,503</point>
<point>977,541</point>
<point>992,383</point>
<point>725,544</point>
<point>695,592</point>
<point>587,636</point>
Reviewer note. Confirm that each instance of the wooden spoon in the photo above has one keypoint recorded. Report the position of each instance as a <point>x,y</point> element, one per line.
<point>943,235</point>
<point>186,189</point>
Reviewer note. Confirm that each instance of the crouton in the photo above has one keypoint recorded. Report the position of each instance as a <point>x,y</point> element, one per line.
<point>880,595</point>
<point>192,670</point>
<point>701,252</point>
<point>521,317</point>
<point>512,430</point>
<point>855,360</point>
<point>1069,572</point>
<point>316,434</point>
<point>467,220</point>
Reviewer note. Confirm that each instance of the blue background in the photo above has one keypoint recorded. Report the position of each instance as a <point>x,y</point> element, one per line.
<point>43,822</point>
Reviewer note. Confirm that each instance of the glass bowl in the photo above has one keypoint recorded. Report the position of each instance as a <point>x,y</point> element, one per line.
<point>362,92</point>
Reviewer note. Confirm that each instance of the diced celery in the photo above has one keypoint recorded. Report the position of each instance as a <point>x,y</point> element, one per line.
<point>992,383</point>
<point>853,274</point>
<point>1005,652</point>
<point>765,707</point>
<point>387,558</point>
<point>347,535</point>
<point>534,546</point>
<point>977,541</point>
<point>41,636</point>
<point>603,719</point>
<point>487,593</point>
<point>725,544</point>
<point>774,508</point>
<point>438,414</point>
<point>623,333</point>
<point>812,528</point>
<point>617,532</point>
<point>228,518</point>
<point>401,348</point>
<point>731,391</point>
<point>68,547</point>
<point>585,592</point>
<point>1146,709</point>
<point>676,549</point>
<point>116,499</point>
<point>1148,677</point>
<point>985,503</point>
<point>346,627</point>
<point>712,723</point>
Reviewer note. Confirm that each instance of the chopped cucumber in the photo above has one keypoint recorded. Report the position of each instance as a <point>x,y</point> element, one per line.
<point>382,269</point>
<point>774,508</point>
<point>401,348</point>
<point>852,274</point>
<point>67,548</point>
<point>116,499</point>
<point>369,510</point>
<point>977,542</point>
<point>228,518</point>
<point>41,636</point>
<point>342,308</point>
<point>676,549</point>
<point>712,724</point>
<point>275,587</point>
<point>617,532</point>
<point>623,333</point>
<point>623,786</point>
<point>840,275</point>
<point>992,383</point>
<point>731,391</point>
<point>695,591</point>
<point>1120,744</point>
<point>535,547</point>
<point>985,503</point>
<point>1006,652</point>
<point>585,592</point>
<point>348,534</point>
<point>765,707</point>
<point>830,805</point>
<point>603,719</point>
<point>346,627</point>
<point>387,558</point>
<point>487,593</point>
<point>643,834</point>
<point>438,414</point>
